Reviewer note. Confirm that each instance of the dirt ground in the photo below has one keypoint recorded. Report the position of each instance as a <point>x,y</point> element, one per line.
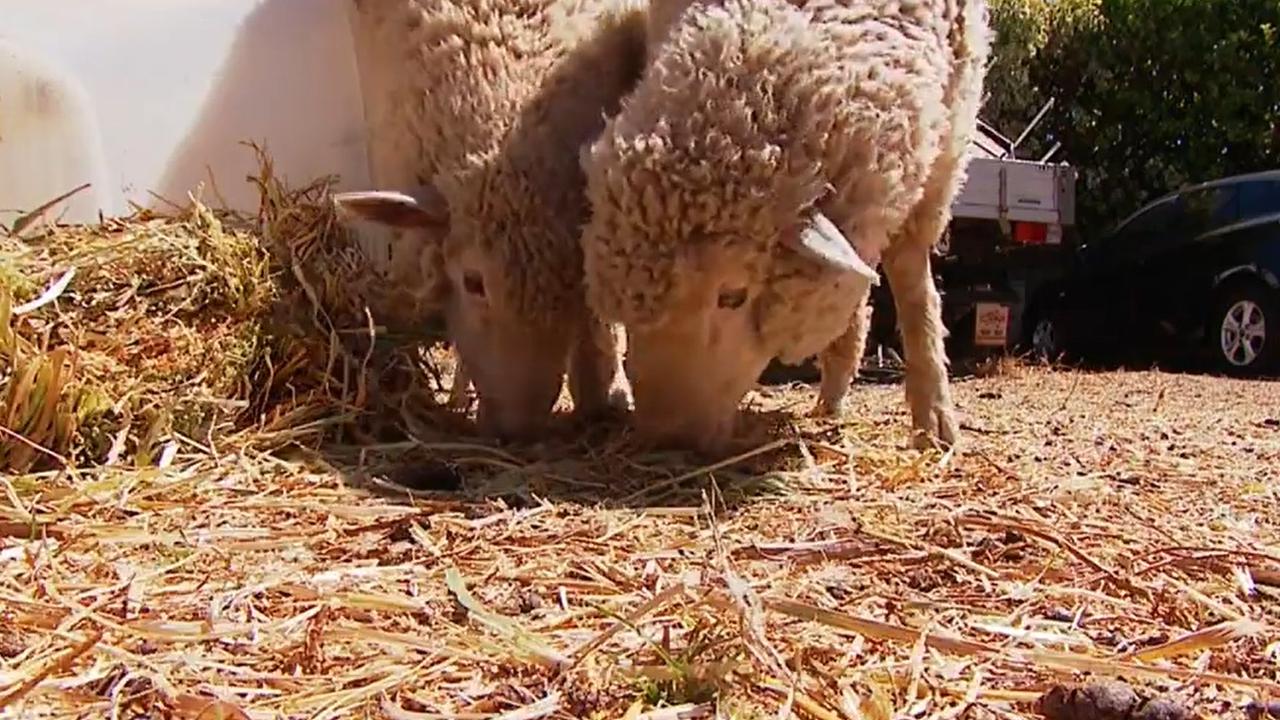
<point>1115,525</point>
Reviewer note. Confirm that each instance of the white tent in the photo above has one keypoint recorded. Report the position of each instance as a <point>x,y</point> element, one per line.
<point>143,96</point>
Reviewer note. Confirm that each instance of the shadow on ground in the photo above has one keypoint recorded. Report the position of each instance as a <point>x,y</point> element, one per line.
<point>443,458</point>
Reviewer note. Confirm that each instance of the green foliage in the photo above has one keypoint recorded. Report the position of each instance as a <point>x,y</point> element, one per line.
<point>1151,94</point>
<point>1012,98</point>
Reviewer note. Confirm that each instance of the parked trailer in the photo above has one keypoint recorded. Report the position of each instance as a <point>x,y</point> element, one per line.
<point>1012,223</point>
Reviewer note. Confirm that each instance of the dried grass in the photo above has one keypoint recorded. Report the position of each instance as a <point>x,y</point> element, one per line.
<point>190,326</point>
<point>227,498</point>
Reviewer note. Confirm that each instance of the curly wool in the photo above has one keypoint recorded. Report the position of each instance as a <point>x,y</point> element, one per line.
<point>753,112</point>
<point>490,102</point>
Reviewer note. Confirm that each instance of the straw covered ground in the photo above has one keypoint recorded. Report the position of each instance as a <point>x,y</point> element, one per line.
<point>230,491</point>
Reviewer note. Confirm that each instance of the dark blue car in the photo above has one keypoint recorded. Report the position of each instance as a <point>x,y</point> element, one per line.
<point>1196,270</point>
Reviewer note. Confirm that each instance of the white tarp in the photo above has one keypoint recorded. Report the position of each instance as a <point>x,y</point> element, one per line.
<point>156,95</point>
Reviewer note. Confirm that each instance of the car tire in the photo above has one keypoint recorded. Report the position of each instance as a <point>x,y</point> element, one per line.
<point>1042,335</point>
<point>1244,328</point>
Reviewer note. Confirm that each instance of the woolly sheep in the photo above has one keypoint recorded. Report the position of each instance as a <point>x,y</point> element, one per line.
<point>764,136</point>
<point>477,112</point>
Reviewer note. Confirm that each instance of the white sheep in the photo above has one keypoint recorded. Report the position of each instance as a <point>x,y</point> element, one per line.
<point>477,112</point>
<point>762,135</point>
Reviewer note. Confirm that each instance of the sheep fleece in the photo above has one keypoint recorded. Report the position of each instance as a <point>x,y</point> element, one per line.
<point>490,101</point>
<point>752,112</point>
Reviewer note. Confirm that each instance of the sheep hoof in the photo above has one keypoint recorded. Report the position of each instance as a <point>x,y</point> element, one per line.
<point>614,407</point>
<point>922,440</point>
<point>825,408</point>
<point>943,436</point>
<point>948,428</point>
<point>620,400</point>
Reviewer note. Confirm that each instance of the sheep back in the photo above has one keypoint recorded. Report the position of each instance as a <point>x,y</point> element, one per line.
<point>751,114</point>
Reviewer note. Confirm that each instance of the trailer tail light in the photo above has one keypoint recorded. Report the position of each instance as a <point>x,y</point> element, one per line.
<point>1029,233</point>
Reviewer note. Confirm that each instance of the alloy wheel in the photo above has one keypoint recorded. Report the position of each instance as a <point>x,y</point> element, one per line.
<point>1243,333</point>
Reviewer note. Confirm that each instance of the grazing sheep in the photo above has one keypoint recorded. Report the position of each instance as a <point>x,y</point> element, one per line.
<point>477,112</point>
<point>761,136</point>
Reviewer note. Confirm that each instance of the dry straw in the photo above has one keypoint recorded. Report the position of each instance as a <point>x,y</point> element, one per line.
<point>231,491</point>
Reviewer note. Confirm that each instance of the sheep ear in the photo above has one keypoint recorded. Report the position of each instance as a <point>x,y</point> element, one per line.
<point>424,208</point>
<point>821,241</point>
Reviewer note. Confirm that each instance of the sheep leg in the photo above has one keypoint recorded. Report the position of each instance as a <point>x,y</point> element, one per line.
<point>840,360</point>
<point>459,398</point>
<point>919,307</point>
<point>597,382</point>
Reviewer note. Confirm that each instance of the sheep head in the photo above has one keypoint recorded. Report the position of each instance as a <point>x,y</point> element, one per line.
<point>729,312</point>
<point>516,363</point>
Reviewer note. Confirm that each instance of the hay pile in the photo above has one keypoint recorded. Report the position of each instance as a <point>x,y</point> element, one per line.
<point>228,497</point>
<point>156,331</point>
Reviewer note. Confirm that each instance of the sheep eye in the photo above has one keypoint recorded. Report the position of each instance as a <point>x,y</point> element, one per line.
<point>733,299</point>
<point>473,284</point>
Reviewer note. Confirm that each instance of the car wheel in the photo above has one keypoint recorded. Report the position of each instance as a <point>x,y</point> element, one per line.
<point>1044,339</point>
<point>1042,336</point>
<point>1244,329</point>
